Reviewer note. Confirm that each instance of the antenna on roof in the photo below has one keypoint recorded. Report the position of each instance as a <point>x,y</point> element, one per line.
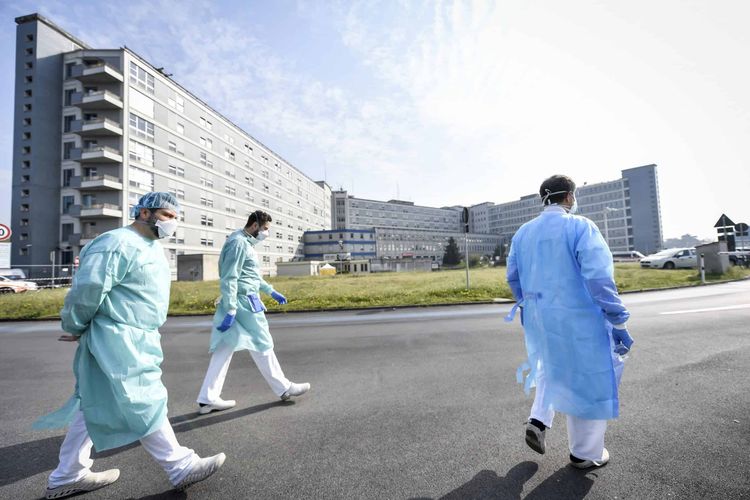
<point>163,72</point>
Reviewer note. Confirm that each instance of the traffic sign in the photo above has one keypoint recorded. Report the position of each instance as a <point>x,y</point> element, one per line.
<point>5,232</point>
<point>724,221</point>
<point>742,229</point>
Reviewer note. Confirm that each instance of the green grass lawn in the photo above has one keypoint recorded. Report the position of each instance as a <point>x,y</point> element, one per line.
<point>374,290</point>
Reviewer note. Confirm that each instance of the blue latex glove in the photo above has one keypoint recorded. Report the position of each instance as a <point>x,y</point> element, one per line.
<point>278,297</point>
<point>227,323</point>
<point>623,340</point>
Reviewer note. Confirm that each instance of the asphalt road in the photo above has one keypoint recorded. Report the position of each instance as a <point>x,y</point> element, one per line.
<point>416,403</point>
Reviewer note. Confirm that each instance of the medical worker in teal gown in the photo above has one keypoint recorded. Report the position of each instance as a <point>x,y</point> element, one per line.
<point>240,321</point>
<point>560,271</point>
<point>118,300</point>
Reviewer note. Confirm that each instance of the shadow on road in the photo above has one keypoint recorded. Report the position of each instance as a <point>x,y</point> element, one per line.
<point>164,495</point>
<point>567,483</point>
<point>34,457</point>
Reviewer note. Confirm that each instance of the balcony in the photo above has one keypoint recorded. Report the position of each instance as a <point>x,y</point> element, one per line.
<point>100,154</point>
<point>97,73</point>
<point>99,99</point>
<point>81,239</point>
<point>96,127</point>
<point>96,211</point>
<point>97,183</point>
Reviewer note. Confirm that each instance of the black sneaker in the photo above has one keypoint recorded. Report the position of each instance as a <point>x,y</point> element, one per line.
<point>535,437</point>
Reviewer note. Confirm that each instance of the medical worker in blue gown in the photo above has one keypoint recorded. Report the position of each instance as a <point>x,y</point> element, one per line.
<point>119,299</point>
<point>240,320</point>
<point>561,273</point>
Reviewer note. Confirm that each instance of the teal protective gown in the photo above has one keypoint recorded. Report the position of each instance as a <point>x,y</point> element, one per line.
<point>240,274</point>
<point>561,272</point>
<point>119,299</point>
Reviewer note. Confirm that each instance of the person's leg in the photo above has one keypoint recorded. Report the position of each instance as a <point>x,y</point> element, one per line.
<point>538,411</point>
<point>271,370</point>
<point>216,374</point>
<point>176,460</point>
<point>75,455</point>
<point>586,438</point>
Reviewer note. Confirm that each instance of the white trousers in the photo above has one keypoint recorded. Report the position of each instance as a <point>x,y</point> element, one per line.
<point>76,462</point>
<point>217,372</point>
<point>585,437</point>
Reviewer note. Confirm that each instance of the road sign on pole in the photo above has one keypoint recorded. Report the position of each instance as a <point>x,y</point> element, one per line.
<point>5,232</point>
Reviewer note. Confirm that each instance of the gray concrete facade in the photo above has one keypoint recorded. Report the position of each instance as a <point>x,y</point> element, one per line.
<point>111,127</point>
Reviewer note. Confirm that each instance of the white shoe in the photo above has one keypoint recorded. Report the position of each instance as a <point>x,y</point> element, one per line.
<point>535,438</point>
<point>295,390</point>
<point>587,464</point>
<point>217,405</point>
<point>201,470</point>
<point>90,482</point>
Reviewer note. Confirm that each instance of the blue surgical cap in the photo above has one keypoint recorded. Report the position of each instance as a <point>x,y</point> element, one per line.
<point>155,200</point>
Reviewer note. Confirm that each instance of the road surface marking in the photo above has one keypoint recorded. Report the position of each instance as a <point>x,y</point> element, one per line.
<point>711,309</point>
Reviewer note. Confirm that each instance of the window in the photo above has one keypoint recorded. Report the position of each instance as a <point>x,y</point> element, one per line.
<point>25,164</point>
<point>69,69</point>
<point>25,178</point>
<point>30,37</point>
<point>68,96</point>
<point>23,251</point>
<point>24,222</point>
<point>180,104</point>
<point>68,122</point>
<point>67,149</point>
<point>230,190</point>
<point>67,230</point>
<point>141,179</point>
<point>24,193</point>
<point>27,121</point>
<point>67,176</point>
<point>181,128</point>
<point>27,93</point>
<point>29,65</point>
<point>27,107</point>
<point>205,161</point>
<point>177,170</point>
<point>30,51</point>
<point>26,136</point>
<point>141,78</point>
<point>67,202</point>
<point>141,128</point>
<point>141,153</point>
<point>207,220</point>
<point>173,146</point>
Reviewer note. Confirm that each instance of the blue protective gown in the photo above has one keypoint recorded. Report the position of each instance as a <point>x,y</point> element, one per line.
<point>560,270</point>
<point>240,275</point>
<point>119,299</point>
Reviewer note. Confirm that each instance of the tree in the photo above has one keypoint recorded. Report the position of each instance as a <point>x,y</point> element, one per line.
<point>499,252</point>
<point>452,256</point>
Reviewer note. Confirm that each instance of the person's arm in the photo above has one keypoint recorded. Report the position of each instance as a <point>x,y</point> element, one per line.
<point>232,259</point>
<point>514,280</point>
<point>265,287</point>
<point>597,270</point>
<point>97,274</point>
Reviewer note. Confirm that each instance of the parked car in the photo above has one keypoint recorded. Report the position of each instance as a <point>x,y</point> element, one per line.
<point>16,286</point>
<point>673,258</point>
<point>632,256</point>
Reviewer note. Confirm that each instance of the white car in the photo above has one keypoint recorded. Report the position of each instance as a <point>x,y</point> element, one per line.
<point>674,258</point>
<point>632,256</point>
<point>8,285</point>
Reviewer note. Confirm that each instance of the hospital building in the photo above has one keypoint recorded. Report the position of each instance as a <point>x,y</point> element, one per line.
<point>94,129</point>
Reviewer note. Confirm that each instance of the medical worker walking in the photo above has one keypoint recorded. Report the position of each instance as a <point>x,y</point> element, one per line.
<point>240,320</point>
<point>561,273</point>
<point>119,299</point>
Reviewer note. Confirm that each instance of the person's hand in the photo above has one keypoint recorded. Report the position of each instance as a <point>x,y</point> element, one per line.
<point>228,321</point>
<point>68,338</point>
<point>623,340</point>
<point>278,298</point>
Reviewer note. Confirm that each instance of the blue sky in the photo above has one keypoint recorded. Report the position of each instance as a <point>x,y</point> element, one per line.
<point>461,102</point>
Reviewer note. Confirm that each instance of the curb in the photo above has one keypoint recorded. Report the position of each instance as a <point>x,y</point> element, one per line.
<point>393,308</point>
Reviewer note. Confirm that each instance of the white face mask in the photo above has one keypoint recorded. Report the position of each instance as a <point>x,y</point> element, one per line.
<point>166,228</point>
<point>574,207</point>
<point>262,235</point>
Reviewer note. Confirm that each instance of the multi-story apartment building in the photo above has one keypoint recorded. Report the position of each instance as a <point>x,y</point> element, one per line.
<point>626,210</point>
<point>95,129</point>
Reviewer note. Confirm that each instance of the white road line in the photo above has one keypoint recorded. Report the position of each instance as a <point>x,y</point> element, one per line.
<point>711,309</point>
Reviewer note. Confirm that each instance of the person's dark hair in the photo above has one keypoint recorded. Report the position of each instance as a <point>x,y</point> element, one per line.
<point>560,184</point>
<point>260,217</point>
